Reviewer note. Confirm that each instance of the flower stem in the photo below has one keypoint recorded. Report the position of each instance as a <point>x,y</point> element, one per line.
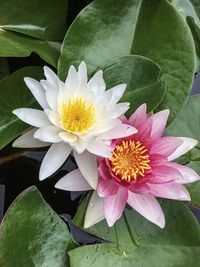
<point>130,231</point>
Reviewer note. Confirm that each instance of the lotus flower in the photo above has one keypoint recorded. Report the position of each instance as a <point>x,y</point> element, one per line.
<point>139,170</point>
<point>78,115</point>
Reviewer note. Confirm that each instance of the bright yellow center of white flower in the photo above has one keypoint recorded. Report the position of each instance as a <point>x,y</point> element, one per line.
<point>130,160</point>
<point>77,115</point>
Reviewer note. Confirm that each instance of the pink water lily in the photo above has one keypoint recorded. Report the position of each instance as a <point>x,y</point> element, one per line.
<point>139,170</point>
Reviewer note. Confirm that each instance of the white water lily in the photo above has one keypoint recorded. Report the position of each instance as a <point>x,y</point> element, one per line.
<point>78,115</point>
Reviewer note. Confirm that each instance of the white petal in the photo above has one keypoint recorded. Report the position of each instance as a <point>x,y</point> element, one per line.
<point>97,84</point>
<point>82,74</point>
<point>99,148</point>
<point>116,93</point>
<point>79,146</point>
<point>51,93</point>
<point>68,137</point>
<point>48,133</point>
<point>95,211</point>
<point>73,181</point>
<point>122,130</point>
<point>87,164</point>
<point>27,140</point>
<point>119,109</point>
<point>72,78</point>
<point>106,126</point>
<point>37,90</point>
<point>148,207</point>
<point>54,158</point>
<point>53,117</point>
<point>188,144</point>
<point>51,76</point>
<point>34,117</point>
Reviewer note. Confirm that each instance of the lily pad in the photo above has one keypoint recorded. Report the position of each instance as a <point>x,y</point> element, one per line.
<point>41,19</point>
<point>33,235</point>
<point>137,242</point>
<point>134,27</point>
<point>19,45</point>
<point>142,77</point>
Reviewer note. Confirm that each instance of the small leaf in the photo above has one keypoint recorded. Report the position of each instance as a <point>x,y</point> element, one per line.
<point>33,235</point>
<point>19,45</point>
<point>15,94</point>
<point>142,77</point>
<point>41,19</point>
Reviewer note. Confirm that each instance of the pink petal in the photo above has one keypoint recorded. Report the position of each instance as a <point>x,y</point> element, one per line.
<point>157,160</point>
<point>165,146</point>
<point>188,175</point>
<point>159,121</point>
<point>114,206</point>
<point>144,132</point>
<point>170,190</point>
<point>148,207</point>
<point>165,173</point>
<point>73,181</point>
<point>107,188</point>
<point>139,116</point>
<point>104,170</point>
<point>187,145</point>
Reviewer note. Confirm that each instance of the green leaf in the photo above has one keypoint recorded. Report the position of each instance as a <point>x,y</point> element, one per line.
<point>15,94</point>
<point>187,124</point>
<point>4,68</point>
<point>142,77</point>
<point>19,45</point>
<point>194,188</point>
<point>190,9</point>
<point>155,247</point>
<point>32,234</point>
<point>41,19</point>
<point>134,27</point>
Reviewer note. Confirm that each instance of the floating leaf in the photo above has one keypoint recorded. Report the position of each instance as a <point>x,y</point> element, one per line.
<point>19,45</point>
<point>138,243</point>
<point>41,19</point>
<point>190,9</point>
<point>142,77</point>
<point>33,235</point>
<point>134,27</point>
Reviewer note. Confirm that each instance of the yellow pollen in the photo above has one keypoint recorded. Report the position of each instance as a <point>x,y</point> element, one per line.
<point>130,160</point>
<point>77,115</point>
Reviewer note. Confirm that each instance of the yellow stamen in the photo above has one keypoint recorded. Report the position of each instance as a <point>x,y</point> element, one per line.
<point>129,160</point>
<point>77,115</point>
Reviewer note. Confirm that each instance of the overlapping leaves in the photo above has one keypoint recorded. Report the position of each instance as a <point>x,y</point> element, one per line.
<point>138,27</point>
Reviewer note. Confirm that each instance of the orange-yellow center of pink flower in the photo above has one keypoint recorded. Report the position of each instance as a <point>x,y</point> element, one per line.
<point>129,160</point>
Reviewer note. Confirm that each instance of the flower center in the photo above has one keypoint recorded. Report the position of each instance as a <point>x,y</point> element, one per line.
<point>130,160</point>
<point>77,115</point>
